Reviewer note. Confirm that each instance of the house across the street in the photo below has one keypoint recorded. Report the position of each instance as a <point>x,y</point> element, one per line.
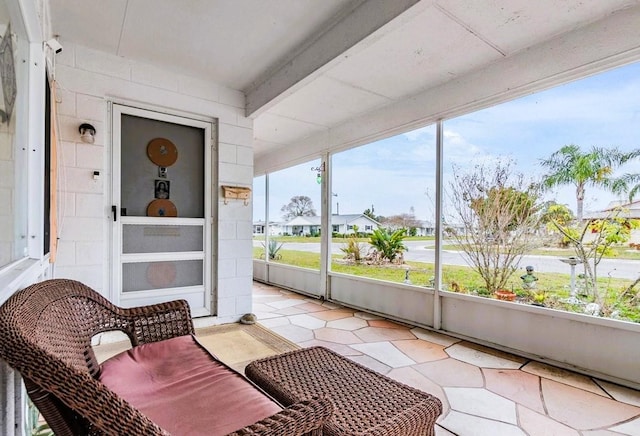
<point>310,225</point>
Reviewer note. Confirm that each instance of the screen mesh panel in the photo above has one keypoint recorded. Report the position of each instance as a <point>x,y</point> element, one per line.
<point>142,276</point>
<point>158,239</point>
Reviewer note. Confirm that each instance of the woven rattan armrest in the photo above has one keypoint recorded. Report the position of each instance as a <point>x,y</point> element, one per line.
<point>158,322</point>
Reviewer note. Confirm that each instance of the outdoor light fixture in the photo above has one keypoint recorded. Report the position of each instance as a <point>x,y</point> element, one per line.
<point>87,133</point>
<point>319,170</point>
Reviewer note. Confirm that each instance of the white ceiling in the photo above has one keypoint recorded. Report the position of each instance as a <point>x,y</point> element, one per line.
<point>312,68</point>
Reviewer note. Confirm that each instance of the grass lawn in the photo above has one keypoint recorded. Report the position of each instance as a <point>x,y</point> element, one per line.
<point>618,252</point>
<point>552,288</point>
<point>316,239</point>
<point>623,252</point>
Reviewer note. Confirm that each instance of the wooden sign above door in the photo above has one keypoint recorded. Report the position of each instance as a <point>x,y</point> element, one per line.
<point>162,152</point>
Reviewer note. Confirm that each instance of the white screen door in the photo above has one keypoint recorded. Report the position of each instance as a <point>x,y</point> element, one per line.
<point>161,209</point>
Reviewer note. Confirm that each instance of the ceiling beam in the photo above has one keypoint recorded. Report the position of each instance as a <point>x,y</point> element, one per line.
<point>317,54</point>
<point>596,47</point>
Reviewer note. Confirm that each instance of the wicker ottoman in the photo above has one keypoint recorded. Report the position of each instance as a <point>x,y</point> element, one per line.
<point>365,402</point>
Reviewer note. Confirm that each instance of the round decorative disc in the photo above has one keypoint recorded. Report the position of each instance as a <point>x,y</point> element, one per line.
<point>161,274</point>
<point>162,152</point>
<point>162,208</point>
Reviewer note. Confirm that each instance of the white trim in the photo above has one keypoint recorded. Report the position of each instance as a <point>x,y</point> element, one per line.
<point>167,221</point>
<point>21,274</point>
<point>325,218</point>
<point>437,274</point>
<point>143,107</point>
<point>36,140</point>
<point>116,234</point>
<point>343,36</point>
<point>161,257</point>
<point>29,131</point>
<point>164,292</point>
<point>210,217</point>
<point>553,313</point>
<point>30,23</point>
<point>163,115</point>
<point>108,279</point>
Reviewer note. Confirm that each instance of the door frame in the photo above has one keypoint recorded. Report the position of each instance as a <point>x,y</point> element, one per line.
<point>209,125</point>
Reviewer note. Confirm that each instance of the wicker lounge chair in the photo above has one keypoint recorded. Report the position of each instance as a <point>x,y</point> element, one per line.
<point>45,334</point>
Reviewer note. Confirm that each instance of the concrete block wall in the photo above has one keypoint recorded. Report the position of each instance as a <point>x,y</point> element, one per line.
<point>86,80</point>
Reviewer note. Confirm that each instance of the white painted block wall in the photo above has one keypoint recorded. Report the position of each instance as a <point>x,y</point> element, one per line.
<point>86,81</point>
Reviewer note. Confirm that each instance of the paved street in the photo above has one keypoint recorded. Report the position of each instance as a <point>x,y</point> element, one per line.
<point>423,251</point>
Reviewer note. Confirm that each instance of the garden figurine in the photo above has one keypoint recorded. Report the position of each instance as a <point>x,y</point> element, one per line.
<point>528,279</point>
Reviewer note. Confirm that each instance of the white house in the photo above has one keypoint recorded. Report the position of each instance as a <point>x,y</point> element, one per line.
<point>260,228</point>
<point>342,224</point>
<point>346,224</point>
<point>302,225</point>
<point>616,209</point>
<point>426,228</point>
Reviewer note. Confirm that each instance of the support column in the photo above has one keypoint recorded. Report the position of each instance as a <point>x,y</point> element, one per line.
<point>437,282</point>
<point>267,233</point>
<point>325,226</point>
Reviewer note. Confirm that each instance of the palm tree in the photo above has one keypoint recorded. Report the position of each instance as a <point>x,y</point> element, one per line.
<point>571,166</point>
<point>628,184</point>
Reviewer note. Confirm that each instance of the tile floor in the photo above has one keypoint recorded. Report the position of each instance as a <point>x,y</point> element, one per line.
<point>483,391</point>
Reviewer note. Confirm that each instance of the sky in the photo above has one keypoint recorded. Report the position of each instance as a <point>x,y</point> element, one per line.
<point>397,175</point>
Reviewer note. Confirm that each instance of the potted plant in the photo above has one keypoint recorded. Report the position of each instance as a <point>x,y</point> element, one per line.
<point>505,295</point>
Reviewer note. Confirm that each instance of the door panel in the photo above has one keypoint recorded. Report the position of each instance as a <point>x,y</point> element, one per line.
<point>162,209</point>
<point>142,276</point>
<point>155,238</point>
<point>139,173</point>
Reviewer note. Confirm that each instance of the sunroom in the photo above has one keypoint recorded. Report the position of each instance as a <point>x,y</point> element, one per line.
<point>143,140</point>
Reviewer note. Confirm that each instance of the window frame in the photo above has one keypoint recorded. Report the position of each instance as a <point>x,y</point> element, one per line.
<point>30,131</point>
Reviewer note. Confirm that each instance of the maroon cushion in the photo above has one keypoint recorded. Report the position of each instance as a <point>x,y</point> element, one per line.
<point>183,389</point>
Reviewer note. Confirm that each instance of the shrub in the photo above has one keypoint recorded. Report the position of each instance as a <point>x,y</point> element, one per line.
<point>497,210</point>
<point>388,245</point>
<point>353,250</point>
<point>274,247</point>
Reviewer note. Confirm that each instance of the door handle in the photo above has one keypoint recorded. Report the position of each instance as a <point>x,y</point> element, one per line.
<point>114,210</point>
